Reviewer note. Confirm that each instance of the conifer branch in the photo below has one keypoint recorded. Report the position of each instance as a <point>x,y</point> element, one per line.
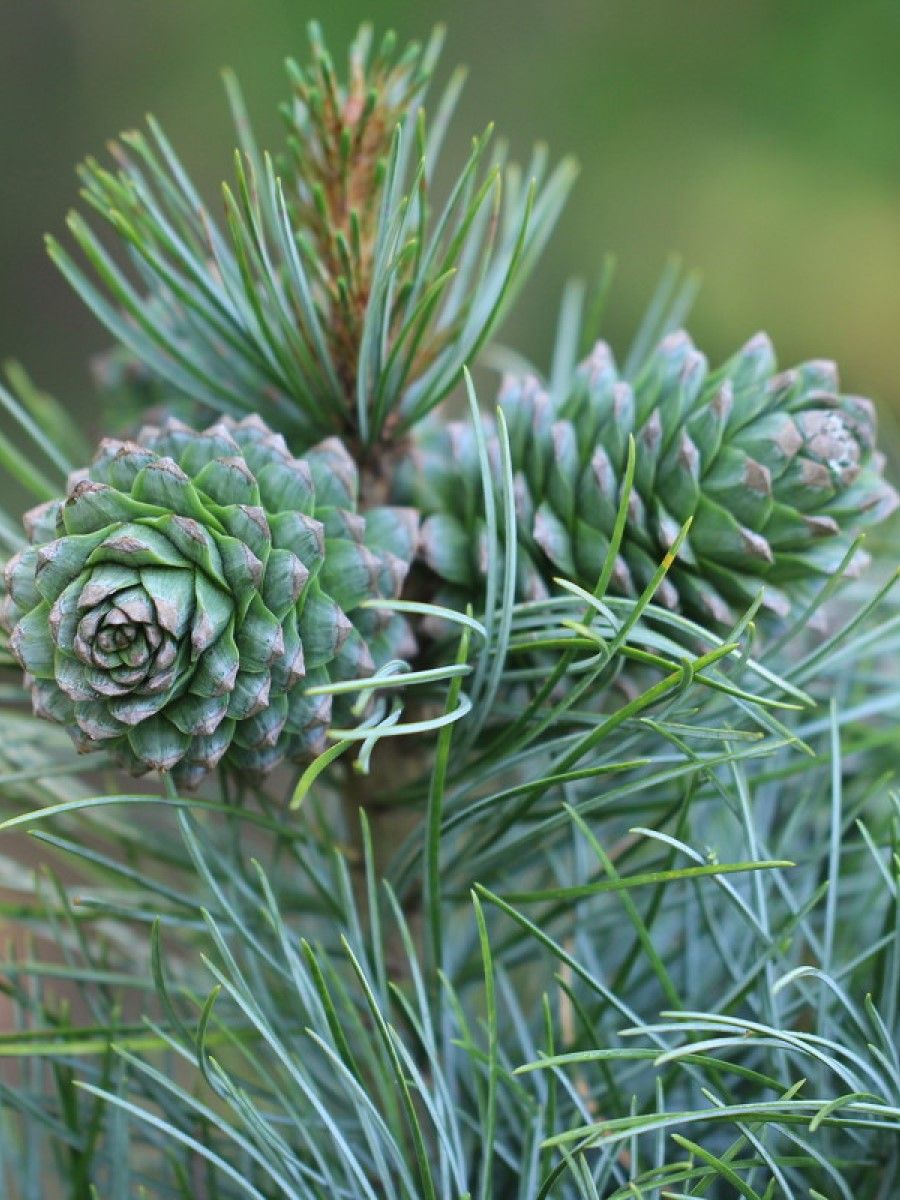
<point>337,296</point>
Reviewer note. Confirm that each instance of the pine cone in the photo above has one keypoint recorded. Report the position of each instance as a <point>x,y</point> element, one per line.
<point>777,471</point>
<point>177,604</point>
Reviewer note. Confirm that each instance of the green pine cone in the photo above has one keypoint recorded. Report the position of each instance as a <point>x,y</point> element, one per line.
<point>176,605</point>
<point>778,473</point>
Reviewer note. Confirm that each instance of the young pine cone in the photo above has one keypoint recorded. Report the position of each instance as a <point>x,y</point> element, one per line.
<point>778,473</point>
<point>177,604</point>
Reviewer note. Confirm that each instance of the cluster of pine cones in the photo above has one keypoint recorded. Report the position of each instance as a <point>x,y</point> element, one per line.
<point>195,595</point>
<point>181,600</point>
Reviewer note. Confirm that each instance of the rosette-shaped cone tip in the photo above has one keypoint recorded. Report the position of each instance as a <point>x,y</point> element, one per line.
<point>177,606</point>
<point>778,473</point>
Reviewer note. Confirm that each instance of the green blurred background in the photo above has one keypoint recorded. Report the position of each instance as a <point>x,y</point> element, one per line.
<point>758,139</point>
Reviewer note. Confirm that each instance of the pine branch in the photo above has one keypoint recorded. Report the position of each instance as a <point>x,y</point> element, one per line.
<point>336,297</point>
<point>630,927</point>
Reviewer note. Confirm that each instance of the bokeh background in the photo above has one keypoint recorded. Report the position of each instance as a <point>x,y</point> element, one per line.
<point>758,139</point>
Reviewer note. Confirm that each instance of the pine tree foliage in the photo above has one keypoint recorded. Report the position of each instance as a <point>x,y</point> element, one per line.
<point>619,920</point>
<point>339,296</point>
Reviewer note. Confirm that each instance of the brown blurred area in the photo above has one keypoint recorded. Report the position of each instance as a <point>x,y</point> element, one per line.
<point>760,141</point>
